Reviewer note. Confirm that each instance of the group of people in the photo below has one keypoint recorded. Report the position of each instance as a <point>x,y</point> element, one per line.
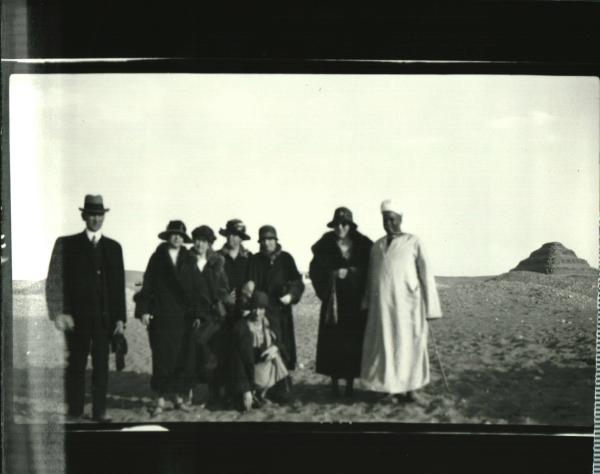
<point>224,317</point>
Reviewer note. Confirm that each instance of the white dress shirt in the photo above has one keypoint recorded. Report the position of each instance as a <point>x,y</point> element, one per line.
<point>93,237</point>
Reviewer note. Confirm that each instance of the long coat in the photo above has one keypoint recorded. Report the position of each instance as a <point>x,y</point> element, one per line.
<point>215,278</point>
<point>211,331</point>
<point>71,284</point>
<point>175,297</point>
<point>341,322</point>
<point>277,275</point>
<point>401,295</point>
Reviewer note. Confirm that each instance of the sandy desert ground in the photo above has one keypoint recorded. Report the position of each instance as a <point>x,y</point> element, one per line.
<point>518,348</point>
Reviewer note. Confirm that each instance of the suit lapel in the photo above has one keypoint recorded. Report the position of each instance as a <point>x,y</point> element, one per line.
<point>179,264</point>
<point>86,248</point>
<point>174,270</point>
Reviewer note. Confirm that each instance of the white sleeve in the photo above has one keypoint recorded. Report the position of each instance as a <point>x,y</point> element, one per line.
<point>430,293</point>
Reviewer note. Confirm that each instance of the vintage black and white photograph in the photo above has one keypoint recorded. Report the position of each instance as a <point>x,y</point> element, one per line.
<point>304,248</point>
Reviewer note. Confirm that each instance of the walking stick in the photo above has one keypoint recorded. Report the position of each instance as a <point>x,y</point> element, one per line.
<point>437,356</point>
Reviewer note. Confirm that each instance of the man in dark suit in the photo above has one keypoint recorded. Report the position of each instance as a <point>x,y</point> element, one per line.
<point>85,293</point>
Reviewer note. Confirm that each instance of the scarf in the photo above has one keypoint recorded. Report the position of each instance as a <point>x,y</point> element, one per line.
<point>331,313</point>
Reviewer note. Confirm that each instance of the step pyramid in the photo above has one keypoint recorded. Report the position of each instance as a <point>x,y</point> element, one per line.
<point>554,257</point>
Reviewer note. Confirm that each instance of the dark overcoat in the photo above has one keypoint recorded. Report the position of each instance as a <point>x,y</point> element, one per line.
<point>277,275</point>
<point>71,286</point>
<point>236,269</point>
<point>217,284</point>
<point>88,283</point>
<point>175,297</point>
<point>339,343</point>
<point>214,279</point>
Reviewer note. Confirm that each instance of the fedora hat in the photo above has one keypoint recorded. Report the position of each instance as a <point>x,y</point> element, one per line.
<point>204,233</point>
<point>267,232</point>
<point>175,227</point>
<point>93,204</point>
<point>235,227</point>
<point>342,215</point>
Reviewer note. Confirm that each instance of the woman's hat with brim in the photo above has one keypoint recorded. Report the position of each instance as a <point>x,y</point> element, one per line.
<point>175,227</point>
<point>93,205</point>
<point>235,227</point>
<point>342,215</point>
<point>267,232</point>
<point>204,233</point>
<point>258,300</point>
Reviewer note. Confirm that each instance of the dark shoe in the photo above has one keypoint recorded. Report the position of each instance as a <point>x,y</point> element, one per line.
<point>260,401</point>
<point>279,396</point>
<point>349,392</point>
<point>181,406</point>
<point>283,398</point>
<point>155,410</point>
<point>74,417</point>
<point>102,418</point>
<point>216,401</point>
<point>281,392</point>
<point>391,398</point>
<point>412,397</point>
<point>335,388</point>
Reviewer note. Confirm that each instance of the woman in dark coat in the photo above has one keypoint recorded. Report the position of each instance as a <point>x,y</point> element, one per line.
<point>274,272</point>
<point>338,272</point>
<point>171,303</point>
<point>209,266</point>
<point>237,257</point>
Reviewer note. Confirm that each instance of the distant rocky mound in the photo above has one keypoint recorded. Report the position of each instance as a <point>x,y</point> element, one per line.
<point>133,279</point>
<point>554,258</point>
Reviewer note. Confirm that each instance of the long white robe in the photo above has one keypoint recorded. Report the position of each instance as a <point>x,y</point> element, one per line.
<point>401,295</point>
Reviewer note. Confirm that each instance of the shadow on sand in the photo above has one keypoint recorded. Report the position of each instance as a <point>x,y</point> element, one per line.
<point>547,394</point>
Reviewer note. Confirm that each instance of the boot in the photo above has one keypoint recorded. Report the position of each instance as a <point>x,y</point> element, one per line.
<point>335,387</point>
<point>349,388</point>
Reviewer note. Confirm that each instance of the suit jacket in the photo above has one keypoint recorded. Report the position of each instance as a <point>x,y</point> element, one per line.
<point>71,284</point>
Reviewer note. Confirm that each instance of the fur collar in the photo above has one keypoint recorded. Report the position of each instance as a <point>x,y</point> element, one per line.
<point>328,242</point>
<point>163,251</point>
<point>273,256</point>
<point>213,259</point>
<point>244,252</point>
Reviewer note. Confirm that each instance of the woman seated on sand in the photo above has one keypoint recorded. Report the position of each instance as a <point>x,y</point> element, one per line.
<point>273,271</point>
<point>255,361</point>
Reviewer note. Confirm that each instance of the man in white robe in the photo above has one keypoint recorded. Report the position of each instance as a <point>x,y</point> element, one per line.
<point>401,297</point>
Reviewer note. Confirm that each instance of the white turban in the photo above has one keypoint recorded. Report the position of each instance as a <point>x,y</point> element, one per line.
<point>389,206</point>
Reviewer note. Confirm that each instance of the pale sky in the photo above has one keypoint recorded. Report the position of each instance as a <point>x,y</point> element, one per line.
<point>486,168</point>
